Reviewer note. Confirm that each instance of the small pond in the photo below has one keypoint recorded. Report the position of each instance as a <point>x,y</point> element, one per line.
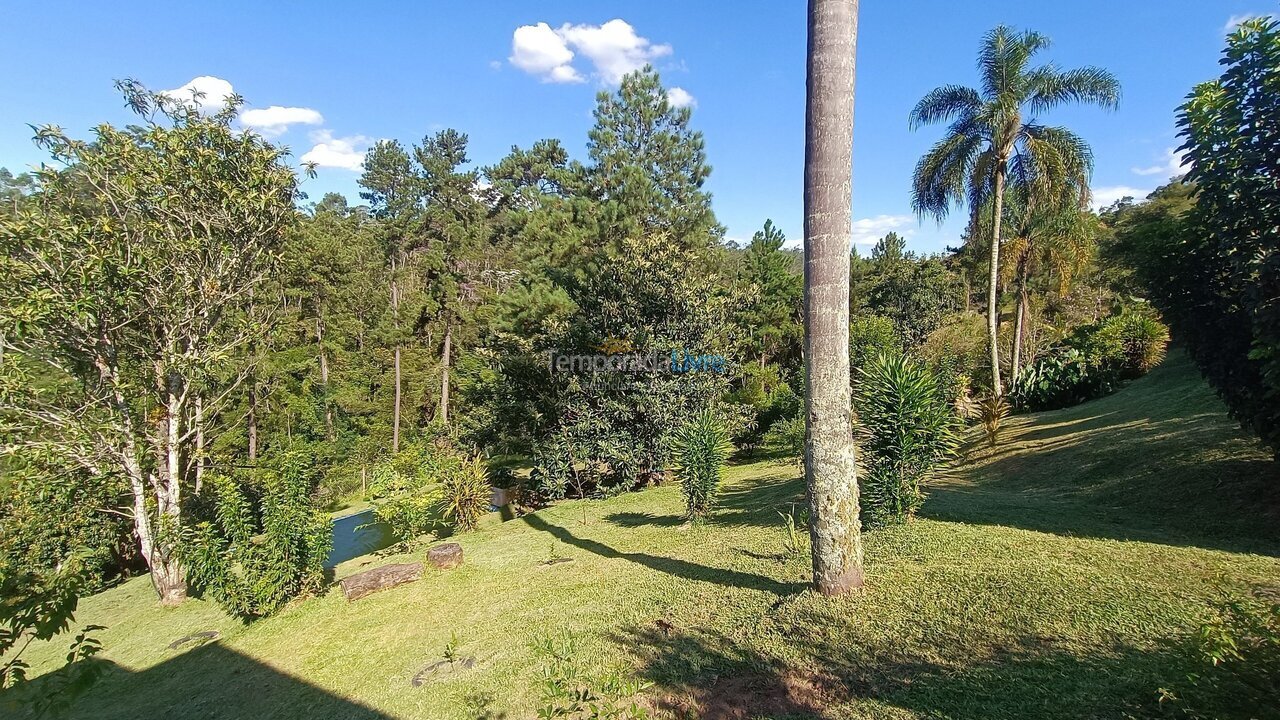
<point>357,534</point>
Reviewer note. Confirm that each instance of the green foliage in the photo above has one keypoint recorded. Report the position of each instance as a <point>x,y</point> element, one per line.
<point>1065,377</point>
<point>1092,362</point>
<point>869,337</point>
<point>565,691</point>
<point>795,536</point>
<point>39,605</point>
<point>465,495</point>
<point>1237,659</point>
<point>428,485</point>
<point>265,542</point>
<point>1215,279</point>
<point>907,430</point>
<point>51,513</point>
<point>701,448</point>
<point>993,410</point>
<point>785,438</point>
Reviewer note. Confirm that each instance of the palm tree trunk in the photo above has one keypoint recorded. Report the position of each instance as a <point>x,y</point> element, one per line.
<point>1019,322</point>
<point>830,470</point>
<point>993,290</point>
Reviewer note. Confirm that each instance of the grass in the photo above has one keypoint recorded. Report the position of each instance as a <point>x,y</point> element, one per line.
<point>1058,575</point>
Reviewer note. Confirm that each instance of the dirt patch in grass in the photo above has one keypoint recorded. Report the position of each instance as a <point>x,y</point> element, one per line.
<point>788,694</point>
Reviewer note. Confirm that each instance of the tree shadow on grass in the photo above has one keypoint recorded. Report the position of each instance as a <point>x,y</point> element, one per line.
<point>671,566</point>
<point>709,675</point>
<point>209,682</point>
<point>1158,462</point>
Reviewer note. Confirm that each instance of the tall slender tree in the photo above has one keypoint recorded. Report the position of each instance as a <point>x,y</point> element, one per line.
<point>994,132</point>
<point>830,468</point>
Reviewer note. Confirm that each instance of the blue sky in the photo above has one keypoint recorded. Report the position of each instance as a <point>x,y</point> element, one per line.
<point>329,78</point>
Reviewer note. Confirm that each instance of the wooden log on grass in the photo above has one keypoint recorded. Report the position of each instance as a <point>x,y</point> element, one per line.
<point>380,578</point>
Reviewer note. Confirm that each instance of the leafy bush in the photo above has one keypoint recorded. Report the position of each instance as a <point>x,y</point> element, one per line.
<point>786,439</point>
<point>1092,362</point>
<point>701,447</point>
<point>907,429</point>
<point>1135,342</point>
<point>428,486</point>
<point>1063,378</point>
<point>1236,657</point>
<point>1217,279</point>
<point>465,495</point>
<point>266,542</point>
<point>870,336</point>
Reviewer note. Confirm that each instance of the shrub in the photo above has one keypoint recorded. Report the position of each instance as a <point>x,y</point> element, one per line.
<point>266,542</point>
<point>869,336</point>
<point>786,438</point>
<point>1216,281</point>
<point>465,495</point>
<point>1236,657</point>
<point>907,429</point>
<point>1135,342</point>
<point>992,411</point>
<point>431,485</point>
<point>1063,378</point>
<point>701,447</point>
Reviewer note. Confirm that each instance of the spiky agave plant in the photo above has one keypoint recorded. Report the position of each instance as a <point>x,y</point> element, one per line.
<point>701,447</point>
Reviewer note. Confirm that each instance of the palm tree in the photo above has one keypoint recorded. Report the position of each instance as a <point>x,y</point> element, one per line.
<point>993,133</point>
<point>1054,234</point>
<point>830,472</point>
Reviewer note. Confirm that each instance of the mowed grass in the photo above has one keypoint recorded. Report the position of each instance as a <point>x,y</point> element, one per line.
<point>1057,576</point>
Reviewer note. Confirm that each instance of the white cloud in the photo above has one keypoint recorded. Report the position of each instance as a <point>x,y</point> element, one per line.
<point>346,153</point>
<point>1235,20</point>
<point>1104,196</point>
<point>213,92</point>
<point>539,50</point>
<point>275,120</point>
<point>679,97</point>
<point>866,231</point>
<point>1175,163</point>
<point>614,49</point>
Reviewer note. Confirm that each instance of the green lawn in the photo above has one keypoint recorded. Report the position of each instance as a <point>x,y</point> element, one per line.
<point>1057,576</point>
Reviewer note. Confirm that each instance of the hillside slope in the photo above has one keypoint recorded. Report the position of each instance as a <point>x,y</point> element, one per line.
<point>1057,576</point>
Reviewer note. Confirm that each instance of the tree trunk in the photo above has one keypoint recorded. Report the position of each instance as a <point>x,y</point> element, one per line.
<point>1019,322</point>
<point>993,290</point>
<point>251,420</point>
<point>444,373</point>
<point>830,470</point>
<point>395,420</point>
<point>324,379</point>
<point>198,420</point>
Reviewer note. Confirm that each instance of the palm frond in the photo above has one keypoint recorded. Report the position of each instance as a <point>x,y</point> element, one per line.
<point>1047,87</point>
<point>941,176</point>
<point>945,103</point>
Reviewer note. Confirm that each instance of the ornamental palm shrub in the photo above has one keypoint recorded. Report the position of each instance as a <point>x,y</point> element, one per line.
<point>265,542</point>
<point>465,495</point>
<point>700,449</point>
<point>907,430</point>
<point>1139,341</point>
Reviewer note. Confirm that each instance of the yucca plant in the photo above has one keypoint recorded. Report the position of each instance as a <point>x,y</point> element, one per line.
<point>465,495</point>
<point>907,430</point>
<point>993,410</point>
<point>701,447</point>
